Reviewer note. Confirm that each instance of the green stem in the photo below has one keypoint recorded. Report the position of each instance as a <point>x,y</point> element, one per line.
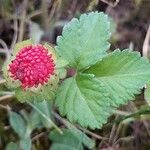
<point>44,116</point>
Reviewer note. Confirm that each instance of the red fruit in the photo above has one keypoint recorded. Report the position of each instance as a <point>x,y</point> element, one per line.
<point>32,66</point>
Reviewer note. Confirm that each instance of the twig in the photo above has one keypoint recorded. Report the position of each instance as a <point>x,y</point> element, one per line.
<point>146,43</point>
<point>122,113</point>
<point>38,136</point>
<point>22,21</point>
<point>7,54</point>
<point>96,136</point>
<point>139,113</point>
<point>44,8</point>
<point>113,4</point>
<point>2,81</point>
<point>69,125</point>
<point>3,44</point>
<point>15,27</point>
<point>34,14</point>
<point>113,131</point>
<point>7,108</point>
<point>2,98</point>
<point>51,14</point>
<point>123,139</point>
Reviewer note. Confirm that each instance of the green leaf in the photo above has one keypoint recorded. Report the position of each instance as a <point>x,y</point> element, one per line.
<point>71,139</point>
<point>17,123</point>
<point>147,93</point>
<point>85,41</point>
<point>90,98</point>
<point>84,100</point>
<point>45,107</point>
<point>44,115</point>
<point>33,120</point>
<point>12,146</point>
<point>123,74</point>
<point>25,143</point>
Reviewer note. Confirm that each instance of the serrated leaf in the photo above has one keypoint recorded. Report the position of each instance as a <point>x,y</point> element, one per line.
<point>25,143</point>
<point>71,139</point>
<point>17,123</point>
<point>85,41</point>
<point>12,146</point>
<point>84,100</point>
<point>123,73</point>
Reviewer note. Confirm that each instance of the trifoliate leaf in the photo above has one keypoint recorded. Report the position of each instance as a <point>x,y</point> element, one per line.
<point>85,41</point>
<point>90,98</point>
<point>123,74</point>
<point>71,139</point>
<point>84,100</point>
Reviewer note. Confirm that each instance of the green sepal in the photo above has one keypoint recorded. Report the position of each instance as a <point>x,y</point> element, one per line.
<point>45,92</point>
<point>20,45</point>
<point>42,92</point>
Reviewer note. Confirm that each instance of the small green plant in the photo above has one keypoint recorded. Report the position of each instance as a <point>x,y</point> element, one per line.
<point>100,81</point>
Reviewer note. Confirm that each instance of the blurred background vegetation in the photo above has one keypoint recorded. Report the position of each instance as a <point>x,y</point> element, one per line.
<point>43,20</point>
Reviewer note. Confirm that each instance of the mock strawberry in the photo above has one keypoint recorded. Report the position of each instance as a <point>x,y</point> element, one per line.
<point>31,71</point>
<point>32,66</point>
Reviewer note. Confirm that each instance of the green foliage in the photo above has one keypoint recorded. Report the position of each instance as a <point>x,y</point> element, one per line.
<point>12,146</point>
<point>45,113</point>
<point>45,108</point>
<point>25,144</point>
<point>101,83</point>
<point>71,139</point>
<point>17,123</point>
<point>123,74</point>
<point>85,100</point>
<point>111,80</point>
<point>85,41</point>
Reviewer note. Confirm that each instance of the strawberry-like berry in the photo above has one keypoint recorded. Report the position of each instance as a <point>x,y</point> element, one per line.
<point>32,66</point>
